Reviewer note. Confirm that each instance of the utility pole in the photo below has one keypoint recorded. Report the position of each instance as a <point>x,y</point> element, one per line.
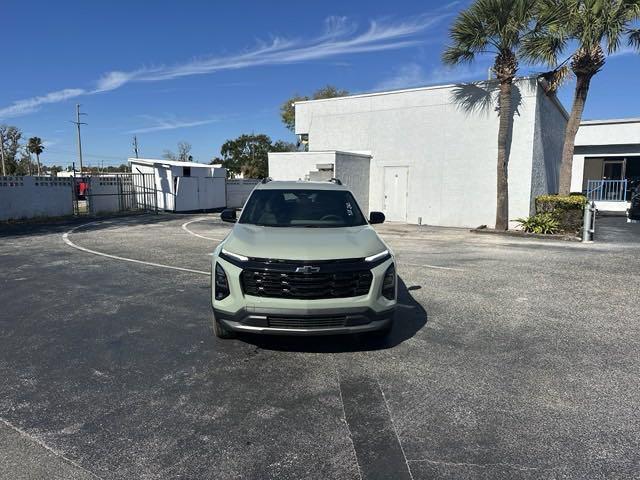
<point>78,123</point>
<point>4,171</point>
<point>135,145</point>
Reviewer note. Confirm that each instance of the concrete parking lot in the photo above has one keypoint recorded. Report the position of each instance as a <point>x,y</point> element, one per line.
<point>511,359</point>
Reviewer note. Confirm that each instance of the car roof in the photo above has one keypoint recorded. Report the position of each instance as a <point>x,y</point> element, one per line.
<point>300,185</point>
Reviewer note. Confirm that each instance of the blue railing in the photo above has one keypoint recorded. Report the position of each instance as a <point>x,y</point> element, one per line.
<point>607,190</point>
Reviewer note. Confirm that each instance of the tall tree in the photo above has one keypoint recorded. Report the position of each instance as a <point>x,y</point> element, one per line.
<point>596,28</point>
<point>497,27</point>
<point>10,137</point>
<point>288,112</point>
<point>35,146</point>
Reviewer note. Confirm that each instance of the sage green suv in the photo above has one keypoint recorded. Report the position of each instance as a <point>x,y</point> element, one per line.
<point>302,259</point>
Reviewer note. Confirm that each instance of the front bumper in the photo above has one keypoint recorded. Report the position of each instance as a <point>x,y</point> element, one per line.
<point>293,322</point>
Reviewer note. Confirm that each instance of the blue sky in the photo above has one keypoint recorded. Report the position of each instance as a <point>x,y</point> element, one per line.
<point>204,71</point>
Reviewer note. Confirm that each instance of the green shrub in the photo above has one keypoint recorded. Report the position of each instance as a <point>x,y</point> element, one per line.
<point>568,210</point>
<point>545,223</point>
<point>550,203</point>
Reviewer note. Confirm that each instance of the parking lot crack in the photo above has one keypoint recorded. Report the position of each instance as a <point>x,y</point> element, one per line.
<point>395,429</point>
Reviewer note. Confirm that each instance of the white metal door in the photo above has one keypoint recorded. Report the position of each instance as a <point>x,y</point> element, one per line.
<point>395,193</point>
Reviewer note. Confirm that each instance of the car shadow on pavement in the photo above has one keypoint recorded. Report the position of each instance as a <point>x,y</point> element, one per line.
<point>411,317</point>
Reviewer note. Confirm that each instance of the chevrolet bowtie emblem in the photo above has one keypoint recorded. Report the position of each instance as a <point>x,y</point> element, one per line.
<point>307,269</point>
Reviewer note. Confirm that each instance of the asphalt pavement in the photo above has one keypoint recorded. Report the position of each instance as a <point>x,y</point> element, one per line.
<point>511,359</point>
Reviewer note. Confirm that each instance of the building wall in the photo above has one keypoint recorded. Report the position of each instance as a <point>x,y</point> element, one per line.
<point>609,132</point>
<point>294,166</point>
<point>353,171</point>
<point>446,136</point>
<point>550,125</point>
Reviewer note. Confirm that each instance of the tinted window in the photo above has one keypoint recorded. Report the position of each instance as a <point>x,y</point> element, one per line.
<point>302,208</point>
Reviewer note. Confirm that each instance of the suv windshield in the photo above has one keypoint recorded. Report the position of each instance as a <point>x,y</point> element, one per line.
<point>302,208</point>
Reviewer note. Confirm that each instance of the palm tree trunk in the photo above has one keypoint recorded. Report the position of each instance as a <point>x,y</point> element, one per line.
<point>504,134</point>
<point>580,98</point>
<point>38,159</point>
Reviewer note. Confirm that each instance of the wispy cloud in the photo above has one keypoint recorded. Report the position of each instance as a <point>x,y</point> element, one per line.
<point>160,124</point>
<point>414,75</point>
<point>22,107</point>
<point>340,37</point>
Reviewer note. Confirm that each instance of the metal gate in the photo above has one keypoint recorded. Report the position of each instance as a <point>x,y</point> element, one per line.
<point>114,193</point>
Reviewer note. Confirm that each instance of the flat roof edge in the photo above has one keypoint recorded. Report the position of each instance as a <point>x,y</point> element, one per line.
<point>612,121</point>
<point>404,90</point>
<point>343,152</point>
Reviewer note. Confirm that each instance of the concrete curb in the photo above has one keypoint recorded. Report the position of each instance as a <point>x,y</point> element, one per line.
<point>516,233</point>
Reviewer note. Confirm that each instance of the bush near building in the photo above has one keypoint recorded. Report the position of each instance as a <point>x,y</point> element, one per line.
<point>568,210</point>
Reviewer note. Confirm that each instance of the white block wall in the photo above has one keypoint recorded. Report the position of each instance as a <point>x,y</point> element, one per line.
<point>29,197</point>
<point>239,190</point>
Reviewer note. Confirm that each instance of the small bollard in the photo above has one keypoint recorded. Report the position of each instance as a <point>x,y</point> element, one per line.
<point>587,227</point>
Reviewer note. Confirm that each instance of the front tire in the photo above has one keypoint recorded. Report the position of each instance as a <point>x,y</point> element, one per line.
<point>219,330</point>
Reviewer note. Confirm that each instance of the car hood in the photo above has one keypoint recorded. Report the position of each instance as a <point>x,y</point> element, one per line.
<point>292,243</point>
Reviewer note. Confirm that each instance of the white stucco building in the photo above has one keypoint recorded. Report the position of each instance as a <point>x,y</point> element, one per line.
<point>606,164</point>
<point>428,155</point>
<point>184,186</point>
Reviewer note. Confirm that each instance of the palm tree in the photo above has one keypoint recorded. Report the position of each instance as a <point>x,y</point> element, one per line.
<point>597,28</point>
<point>35,146</point>
<point>497,27</point>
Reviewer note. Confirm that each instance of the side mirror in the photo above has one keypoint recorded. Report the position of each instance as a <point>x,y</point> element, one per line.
<point>228,215</point>
<point>376,217</point>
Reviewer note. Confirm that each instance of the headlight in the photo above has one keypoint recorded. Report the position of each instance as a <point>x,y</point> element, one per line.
<point>389,283</point>
<point>378,256</point>
<point>235,256</point>
<point>221,284</point>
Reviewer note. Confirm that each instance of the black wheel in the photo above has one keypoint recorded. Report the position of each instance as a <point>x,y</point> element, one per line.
<point>219,330</point>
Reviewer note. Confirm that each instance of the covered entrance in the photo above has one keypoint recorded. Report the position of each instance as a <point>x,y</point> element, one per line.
<point>611,179</point>
<point>606,162</point>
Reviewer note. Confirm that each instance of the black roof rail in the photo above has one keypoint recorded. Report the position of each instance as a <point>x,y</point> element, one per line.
<point>266,180</point>
<point>336,181</point>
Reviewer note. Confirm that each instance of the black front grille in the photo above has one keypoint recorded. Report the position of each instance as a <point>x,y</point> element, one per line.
<point>310,322</point>
<point>307,286</point>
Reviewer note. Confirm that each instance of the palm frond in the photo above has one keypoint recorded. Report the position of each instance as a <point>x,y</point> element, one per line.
<point>454,55</point>
<point>544,47</point>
